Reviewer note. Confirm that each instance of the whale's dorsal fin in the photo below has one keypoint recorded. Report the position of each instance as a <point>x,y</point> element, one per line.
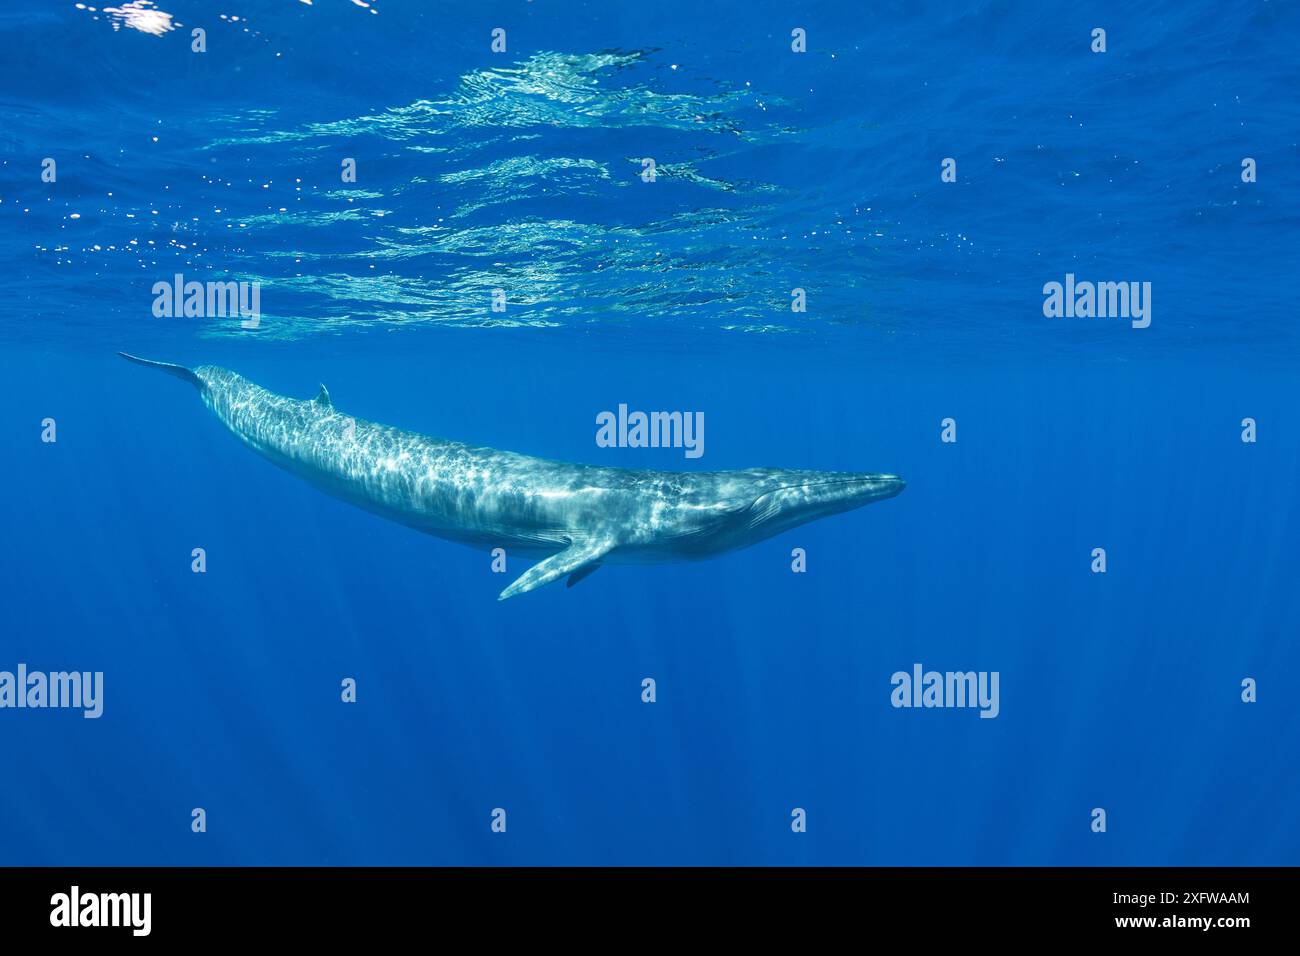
<point>579,559</point>
<point>323,397</point>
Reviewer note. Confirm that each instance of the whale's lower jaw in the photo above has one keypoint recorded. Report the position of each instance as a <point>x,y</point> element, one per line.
<point>576,517</point>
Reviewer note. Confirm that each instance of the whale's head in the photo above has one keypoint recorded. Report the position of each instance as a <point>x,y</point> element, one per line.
<point>762,502</point>
<point>788,499</point>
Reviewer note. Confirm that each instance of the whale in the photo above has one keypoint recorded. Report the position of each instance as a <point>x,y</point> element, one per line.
<point>575,518</point>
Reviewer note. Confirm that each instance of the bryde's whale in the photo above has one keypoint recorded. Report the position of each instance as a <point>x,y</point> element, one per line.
<point>577,516</point>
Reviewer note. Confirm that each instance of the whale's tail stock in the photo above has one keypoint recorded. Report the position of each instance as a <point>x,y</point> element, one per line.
<point>180,371</point>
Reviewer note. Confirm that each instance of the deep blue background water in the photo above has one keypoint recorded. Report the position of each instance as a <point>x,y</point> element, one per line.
<point>777,170</point>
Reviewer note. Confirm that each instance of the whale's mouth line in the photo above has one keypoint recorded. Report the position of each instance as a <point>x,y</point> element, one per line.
<point>821,483</point>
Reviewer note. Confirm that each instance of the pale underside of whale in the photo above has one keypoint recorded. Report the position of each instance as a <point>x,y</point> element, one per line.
<point>578,517</point>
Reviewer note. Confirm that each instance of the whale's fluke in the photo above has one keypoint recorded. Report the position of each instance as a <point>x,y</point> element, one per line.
<point>180,371</point>
<point>578,559</point>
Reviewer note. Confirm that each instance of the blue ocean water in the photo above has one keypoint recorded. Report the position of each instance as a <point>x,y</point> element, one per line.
<point>521,170</point>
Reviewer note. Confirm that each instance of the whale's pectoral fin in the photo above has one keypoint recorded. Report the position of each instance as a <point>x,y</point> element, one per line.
<point>578,559</point>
